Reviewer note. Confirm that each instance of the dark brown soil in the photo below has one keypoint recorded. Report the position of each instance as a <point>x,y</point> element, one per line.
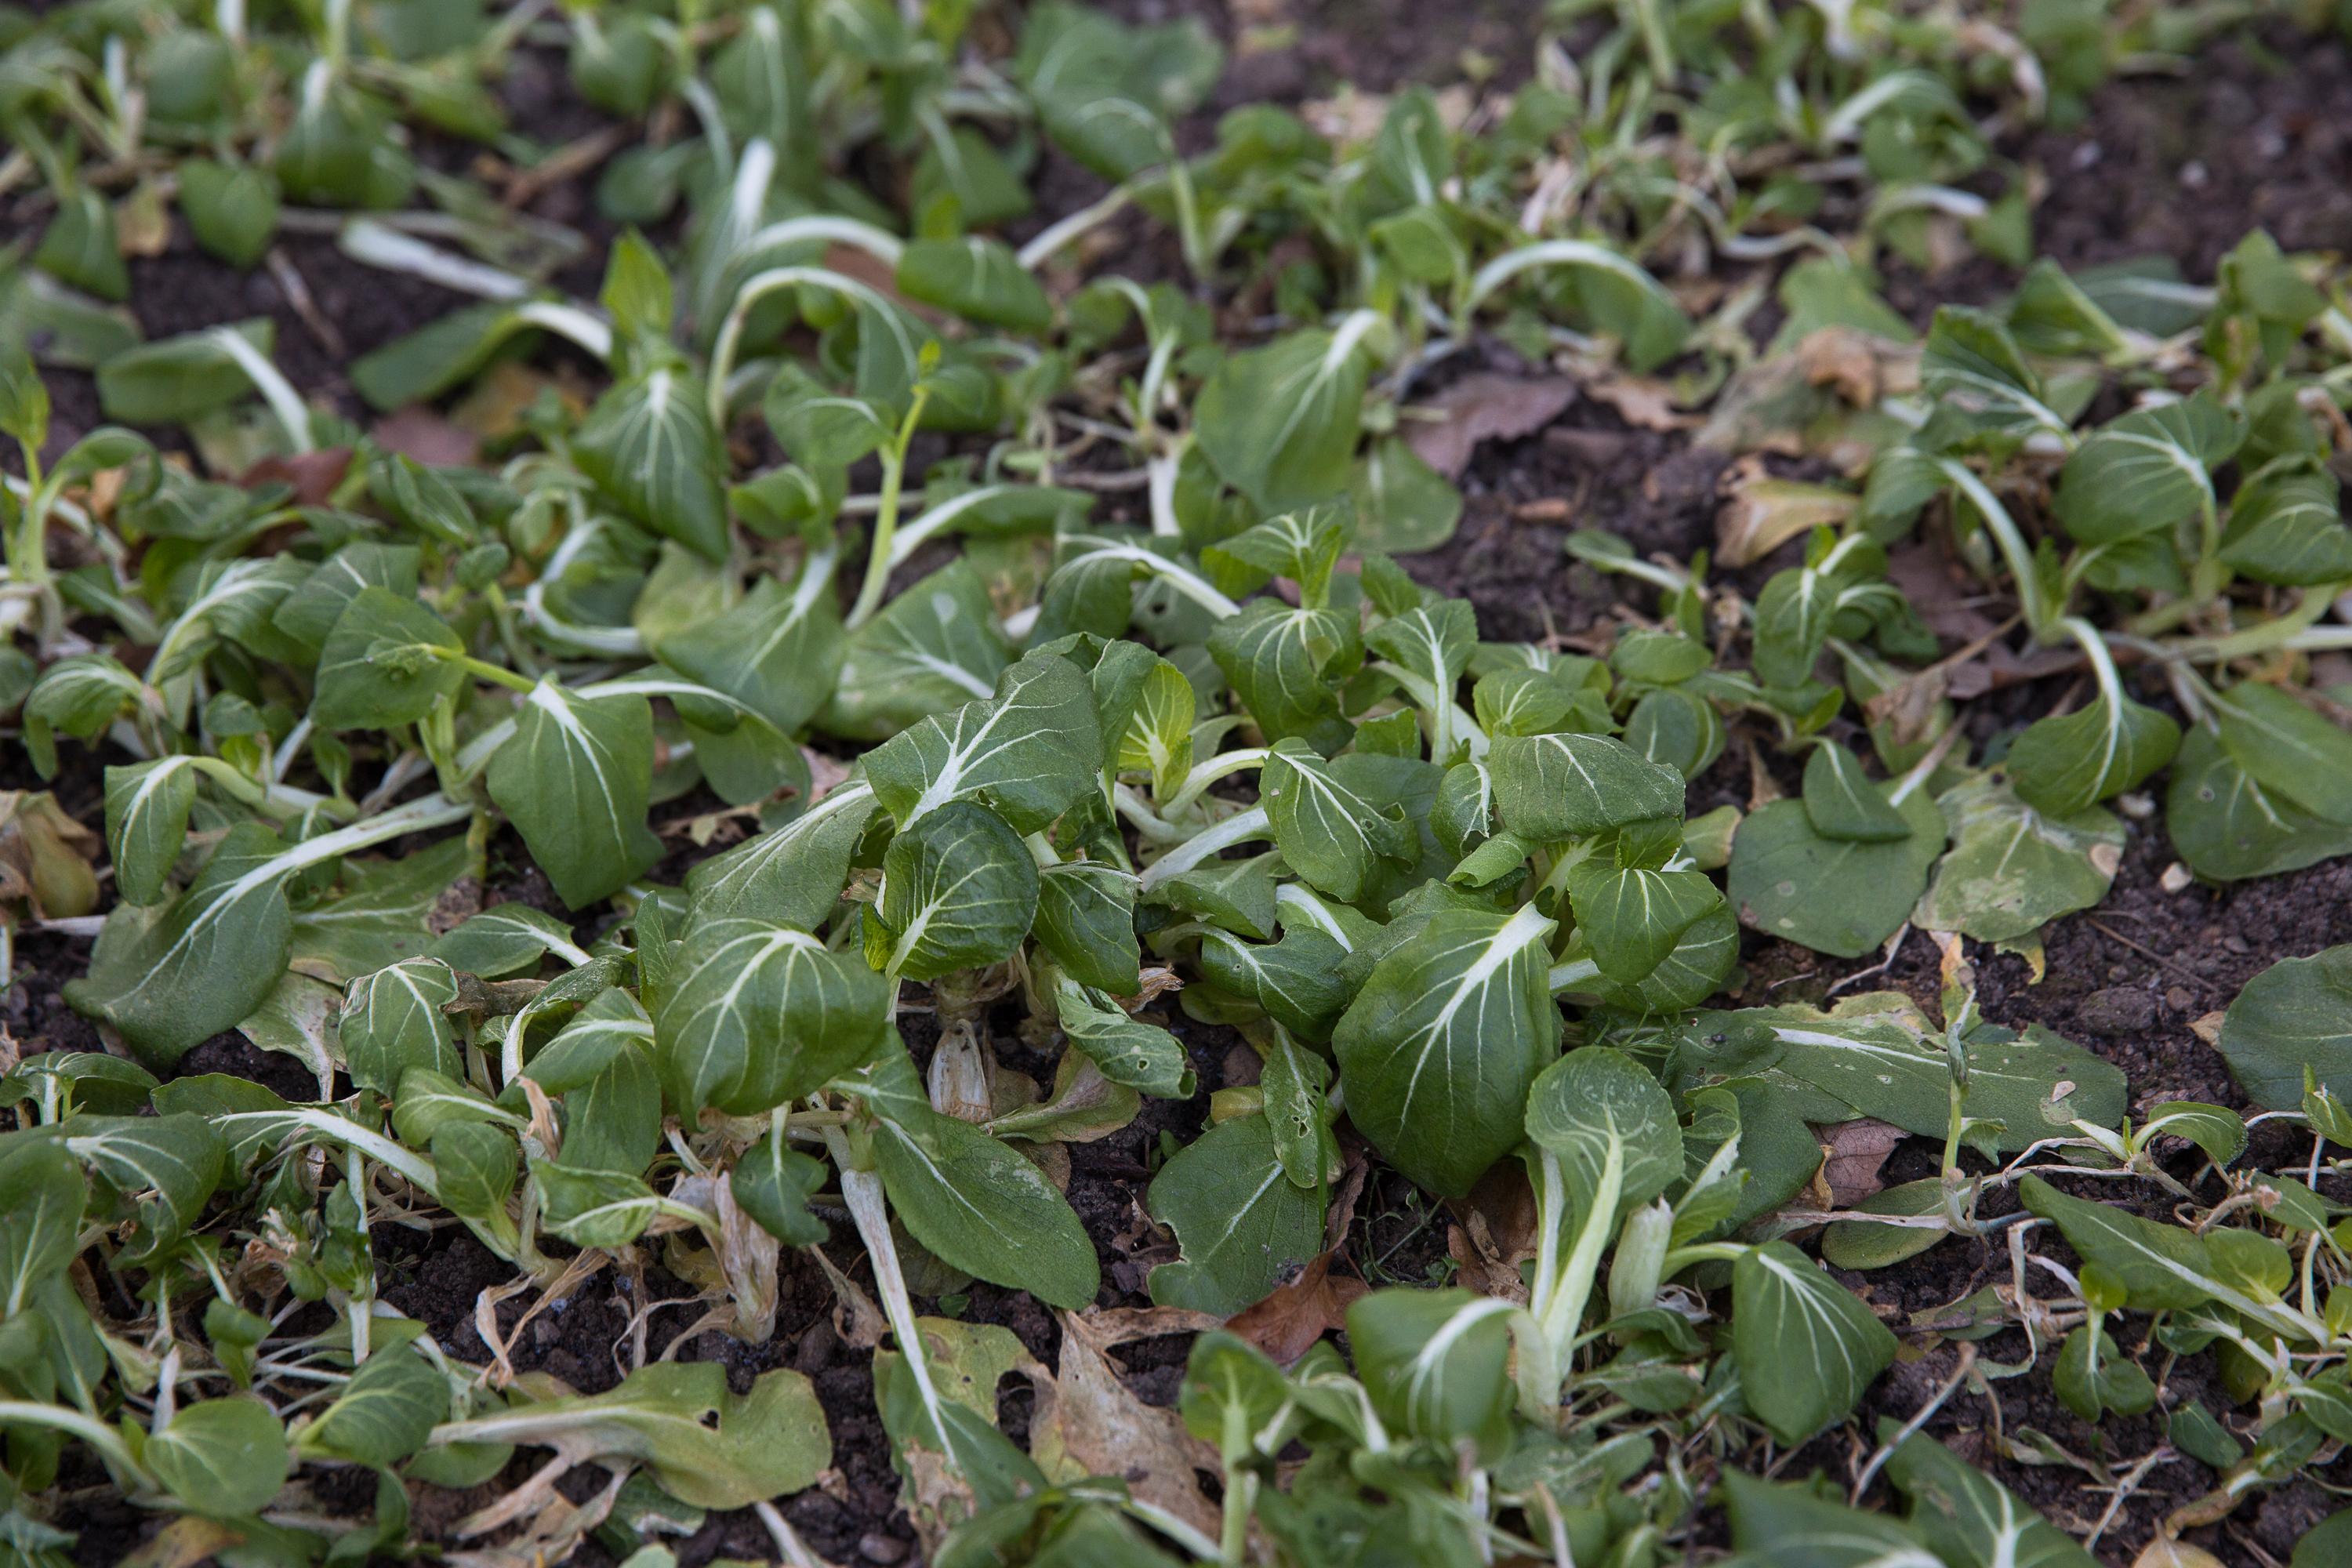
<point>2180,166</point>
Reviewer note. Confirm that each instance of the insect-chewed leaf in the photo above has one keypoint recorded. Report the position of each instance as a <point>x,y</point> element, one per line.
<point>1027,751</point>
<point>959,890</point>
<point>382,664</point>
<point>1330,827</point>
<point>1436,1363</point>
<point>2067,762</point>
<point>649,445</point>
<point>2293,1018</point>
<point>1143,1057</point>
<point>1439,1049</point>
<point>223,1457</point>
<point>1086,919</point>
<point>147,807</point>
<point>2012,868</point>
<point>392,1021</point>
<point>705,1445</point>
<point>1241,1225</point>
<point>1969,1517</point>
<point>1560,785</point>
<point>983,1209</point>
<point>761,1014</point>
<point>577,782</point>
<point>1805,1346</point>
<point>792,874</point>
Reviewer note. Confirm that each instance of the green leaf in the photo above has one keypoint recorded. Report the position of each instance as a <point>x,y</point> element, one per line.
<point>170,978</point>
<point>772,1182</point>
<point>312,608</point>
<point>592,1208</point>
<point>792,874</point>
<point>959,891</point>
<point>382,664</point>
<point>178,379</point>
<point>978,278</point>
<point>1843,896</point>
<point>2324,1543</point>
<point>1971,362</point>
<point>649,445</point>
<point>1242,1227</point>
<point>392,1021</point>
<point>1285,665</point>
<point>1787,1525</point>
<point>147,807</point>
<point>2066,763</point>
<point>1298,981</point>
<point>223,1457</point>
<point>1027,753</point>
<point>1598,1111</point>
<point>778,650</point>
<point>42,1192</point>
<point>2294,1017</point>
<point>1401,505</point>
<point>2287,748</point>
<point>2093,1377</point>
<point>1841,801</point>
<point>930,649</point>
<point>474,1170</point>
<point>2229,826</point>
<point>506,940</point>
<point>81,246</point>
<point>1632,919</point>
<point>1553,786</point>
<point>2011,868</point>
<point>1439,1049</point>
<point>760,1014</point>
<point>1806,1348</point>
<point>1436,1363</point>
<point>385,1414</point>
<point>1142,1057</point>
<point>2286,526</point>
<point>231,209</point>
<point>703,1444</point>
<point>1858,1244</point>
<point>1330,832</point>
<point>1157,736</point>
<point>983,1208</point>
<point>577,782</point>
<point>2161,1266</point>
<point>1280,422</point>
<point>1086,919</point>
<point>2147,470</point>
<point>1970,1518</point>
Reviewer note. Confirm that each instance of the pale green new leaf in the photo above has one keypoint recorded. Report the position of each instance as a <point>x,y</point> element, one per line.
<point>959,891</point>
<point>147,807</point>
<point>762,1014</point>
<point>1027,751</point>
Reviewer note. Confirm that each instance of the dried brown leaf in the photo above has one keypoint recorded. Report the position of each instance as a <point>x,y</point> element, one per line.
<point>1293,1316</point>
<point>1853,1152</point>
<point>1485,407</point>
<point>1089,1422</point>
<point>1641,402</point>
<point>426,436</point>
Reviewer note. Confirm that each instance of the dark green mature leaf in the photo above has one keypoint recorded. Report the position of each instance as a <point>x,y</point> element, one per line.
<point>959,890</point>
<point>1086,919</point>
<point>383,1414</point>
<point>2325,1544</point>
<point>2286,526</point>
<point>1241,1225</point>
<point>778,650</point>
<point>1836,896</point>
<point>1332,828</point>
<point>760,1014</point>
<point>1436,1363</point>
<point>2287,748</point>
<point>172,977</point>
<point>1439,1048</point>
<point>577,782</point>
<point>791,874</point>
<point>2147,470</point>
<point>1787,1525</point>
<point>147,807</point>
<point>1841,801</point>
<point>505,940</point>
<point>2066,762</point>
<point>772,1182</point>
<point>392,1021</point>
<point>379,666</point>
<point>310,609</point>
<point>178,379</point>
<point>2012,868</point>
<point>1280,423</point>
<point>2162,1267</point>
<point>649,445</point>
<point>1970,1518</point>
<point>231,209</point>
<point>2228,826</point>
<point>2295,1017</point>
<point>1027,751</point>
<point>983,1209</point>
<point>1561,786</point>
<point>42,1192</point>
<point>1285,665</point>
<point>223,1457</point>
<point>1805,1346</point>
<point>978,278</point>
<point>2093,1376</point>
<point>930,649</point>
<point>1298,981</point>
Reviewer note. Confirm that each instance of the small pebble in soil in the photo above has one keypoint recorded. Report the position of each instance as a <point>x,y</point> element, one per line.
<point>2117,1012</point>
<point>875,1548</point>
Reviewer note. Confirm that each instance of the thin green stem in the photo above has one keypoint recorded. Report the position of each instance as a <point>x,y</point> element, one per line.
<point>885,520</point>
